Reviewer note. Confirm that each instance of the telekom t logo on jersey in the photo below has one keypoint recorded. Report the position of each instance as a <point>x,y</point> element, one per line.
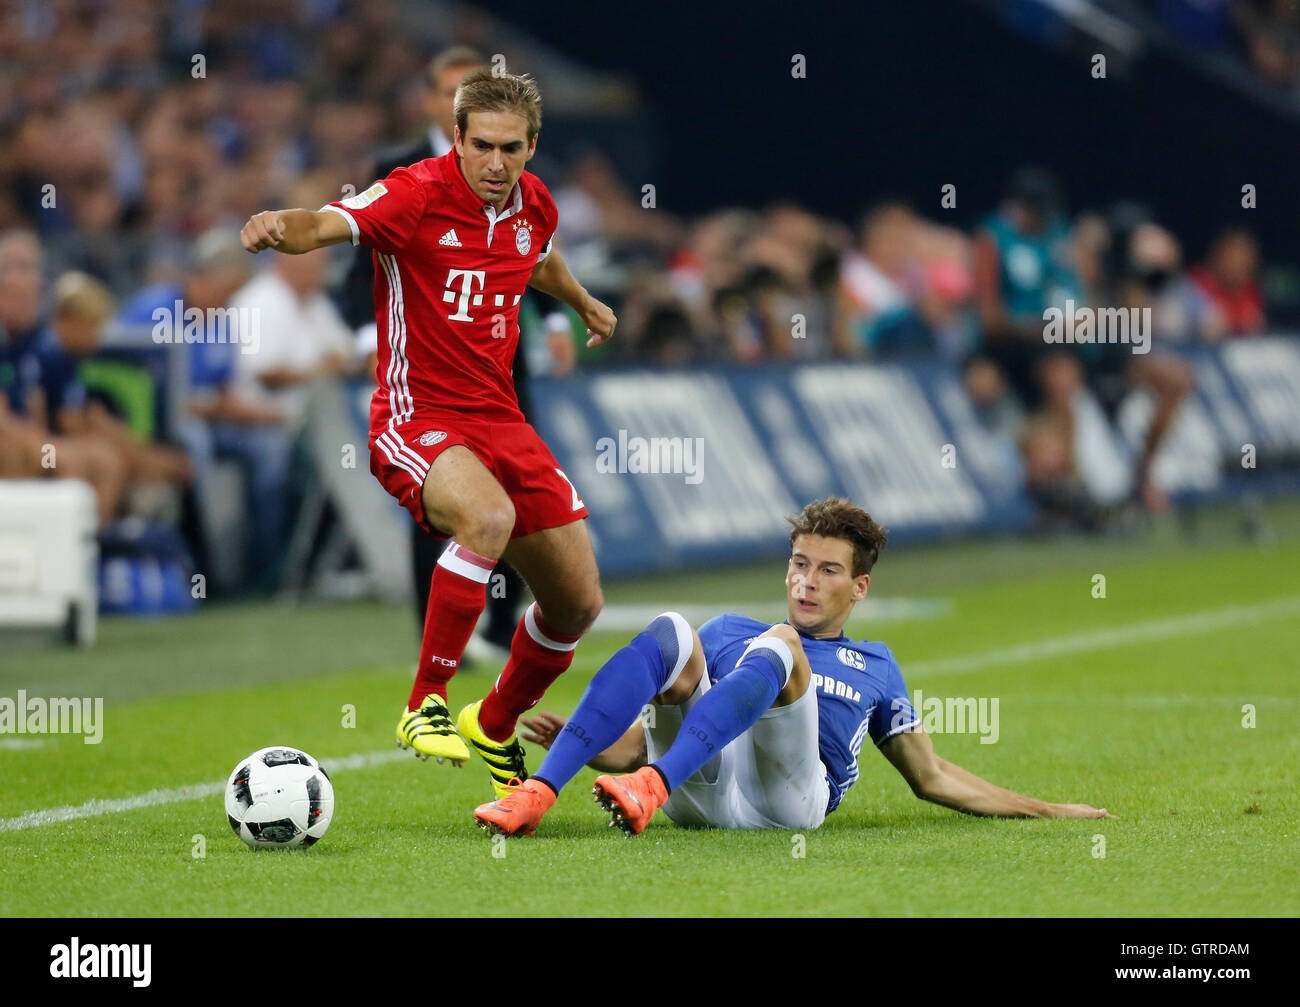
<point>465,297</point>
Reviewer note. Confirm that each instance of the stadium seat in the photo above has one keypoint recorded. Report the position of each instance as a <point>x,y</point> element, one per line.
<point>48,557</point>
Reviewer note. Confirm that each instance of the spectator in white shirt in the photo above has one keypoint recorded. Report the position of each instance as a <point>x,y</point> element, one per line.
<point>302,336</point>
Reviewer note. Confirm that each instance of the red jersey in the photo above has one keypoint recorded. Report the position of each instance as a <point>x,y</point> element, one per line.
<point>1243,307</point>
<point>449,273</point>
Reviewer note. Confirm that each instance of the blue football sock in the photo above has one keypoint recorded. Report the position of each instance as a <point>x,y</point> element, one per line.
<point>728,710</point>
<point>616,696</point>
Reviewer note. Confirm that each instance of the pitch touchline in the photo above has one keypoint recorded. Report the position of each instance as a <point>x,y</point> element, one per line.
<point>1102,639</point>
<point>618,617</point>
<point>71,812</point>
<point>1097,639</point>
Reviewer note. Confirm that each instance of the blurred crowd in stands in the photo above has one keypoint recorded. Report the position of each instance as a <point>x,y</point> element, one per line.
<point>1265,34</point>
<point>128,172</point>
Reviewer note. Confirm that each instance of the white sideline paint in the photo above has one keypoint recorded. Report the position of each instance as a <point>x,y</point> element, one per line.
<point>91,809</point>
<point>1100,639</point>
<point>1153,701</point>
<point>626,618</point>
<point>1104,639</point>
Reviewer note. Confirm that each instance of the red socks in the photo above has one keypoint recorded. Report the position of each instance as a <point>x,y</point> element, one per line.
<point>538,653</point>
<point>538,656</point>
<point>457,595</point>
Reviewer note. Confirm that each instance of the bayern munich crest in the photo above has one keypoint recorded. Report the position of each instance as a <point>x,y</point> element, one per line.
<point>431,437</point>
<point>523,237</point>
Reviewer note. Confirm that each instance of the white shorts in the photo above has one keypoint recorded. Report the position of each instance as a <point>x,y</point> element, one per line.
<point>771,777</point>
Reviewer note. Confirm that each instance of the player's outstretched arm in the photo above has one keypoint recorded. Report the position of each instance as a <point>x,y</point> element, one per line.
<point>552,276</point>
<point>624,756</point>
<point>294,231</point>
<point>941,782</point>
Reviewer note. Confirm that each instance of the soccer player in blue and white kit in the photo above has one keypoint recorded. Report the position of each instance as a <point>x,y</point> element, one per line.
<point>754,726</point>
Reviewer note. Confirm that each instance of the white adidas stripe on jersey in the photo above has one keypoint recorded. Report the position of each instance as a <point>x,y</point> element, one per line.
<point>392,332</point>
<point>450,239</point>
<point>400,404</point>
<point>855,747</point>
<point>405,363</point>
<point>399,459</point>
<point>407,452</point>
<point>403,450</point>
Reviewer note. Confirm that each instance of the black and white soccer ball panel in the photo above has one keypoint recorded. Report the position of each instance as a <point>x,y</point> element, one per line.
<point>279,797</point>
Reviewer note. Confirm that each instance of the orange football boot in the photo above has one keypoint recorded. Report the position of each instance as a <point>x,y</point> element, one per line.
<point>519,811</point>
<point>632,798</point>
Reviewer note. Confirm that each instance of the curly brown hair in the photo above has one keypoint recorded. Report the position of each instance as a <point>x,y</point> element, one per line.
<point>483,91</point>
<point>835,517</point>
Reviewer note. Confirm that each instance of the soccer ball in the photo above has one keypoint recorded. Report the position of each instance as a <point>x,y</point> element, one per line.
<point>279,797</point>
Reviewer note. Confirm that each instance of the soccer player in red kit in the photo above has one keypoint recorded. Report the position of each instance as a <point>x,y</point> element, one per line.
<point>456,239</point>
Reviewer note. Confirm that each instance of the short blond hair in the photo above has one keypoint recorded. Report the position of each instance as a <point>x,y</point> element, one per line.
<point>81,297</point>
<point>483,91</point>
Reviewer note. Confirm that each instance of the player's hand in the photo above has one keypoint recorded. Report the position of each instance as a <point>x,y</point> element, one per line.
<point>1078,811</point>
<point>542,729</point>
<point>263,230</point>
<point>599,320</point>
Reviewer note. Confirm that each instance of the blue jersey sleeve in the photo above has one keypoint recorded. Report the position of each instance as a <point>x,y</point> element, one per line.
<point>139,308</point>
<point>212,365</point>
<point>894,713</point>
<point>211,362</point>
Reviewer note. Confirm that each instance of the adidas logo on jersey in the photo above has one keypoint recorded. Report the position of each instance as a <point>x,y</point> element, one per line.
<point>450,239</point>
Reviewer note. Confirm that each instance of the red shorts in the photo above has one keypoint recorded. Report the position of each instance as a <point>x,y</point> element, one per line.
<point>541,493</point>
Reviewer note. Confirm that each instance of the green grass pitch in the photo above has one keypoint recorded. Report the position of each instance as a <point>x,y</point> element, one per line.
<point>1133,702</point>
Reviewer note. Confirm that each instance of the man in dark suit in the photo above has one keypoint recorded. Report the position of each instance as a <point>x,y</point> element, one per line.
<point>444,74</point>
<point>357,304</point>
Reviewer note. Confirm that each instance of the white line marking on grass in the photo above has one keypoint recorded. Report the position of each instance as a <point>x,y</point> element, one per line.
<point>1117,636</point>
<point>1156,701</point>
<point>194,792</point>
<point>631,618</point>
<point>1141,632</point>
